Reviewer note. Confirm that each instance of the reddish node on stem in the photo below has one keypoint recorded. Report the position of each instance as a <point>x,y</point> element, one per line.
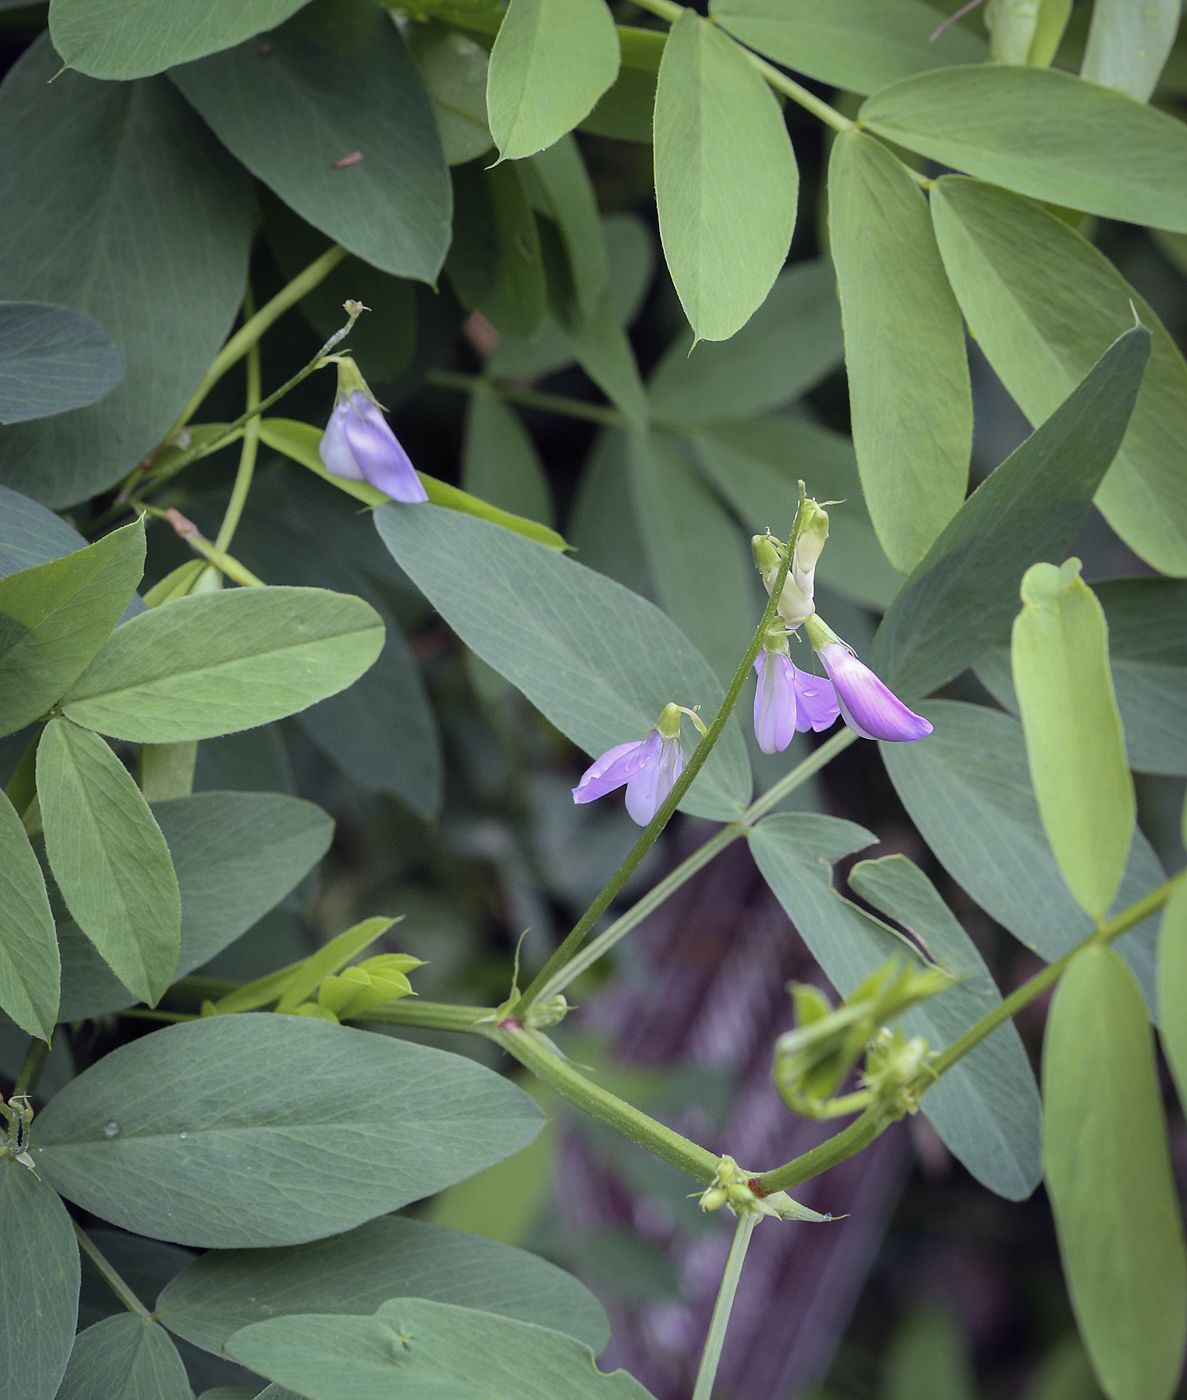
<point>510,1025</point>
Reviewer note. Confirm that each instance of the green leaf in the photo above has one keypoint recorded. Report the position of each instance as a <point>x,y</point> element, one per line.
<point>912,404</point>
<point>790,344</point>
<point>426,1349</point>
<point>333,83</point>
<point>551,61</point>
<point>125,1357</point>
<point>136,38</point>
<point>299,441</point>
<point>330,958</point>
<point>1065,1373</point>
<point>216,662</point>
<point>1043,133</point>
<point>1074,743</point>
<point>962,596</point>
<point>499,459</point>
<point>859,45</point>
<point>166,770</point>
<point>968,791</point>
<point>568,198</point>
<point>929,1358</point>
<point>38,1285</point>
<point>987,1111</point>
<point>1172,986</point>
<point>757,465</point>
<point>695,552</point>
<point>624,110</point>
<point>1110,1181</point>
<point>605,353</point>
<point>1128,45</point>
<point>720,147</point>
<point>495,262</point>
<point>29,963</point>
<point>453,70</point>
<point>166,289</point>
<point>594,658</point>
<point>55,616</point>
<point>387,1258</point>
<point>52,359</point>
<point>109,857</point>
<point>30,534</point>
<point>241,1131</point>
<point>1043,304</point>
<point>605,533</point>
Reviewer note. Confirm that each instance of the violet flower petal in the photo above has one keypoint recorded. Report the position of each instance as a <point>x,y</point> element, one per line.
<point>646,791</point>
<point>617,766</point>
<point>816,702</point>
<point>870,708</point>
<point>334,450</point>
<point>774,701</point>
<point>376,449</point>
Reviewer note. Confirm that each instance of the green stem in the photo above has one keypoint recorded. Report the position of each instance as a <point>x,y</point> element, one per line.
<point>250,332</point>
<point>430,1015</point>
<point>110,1276</point>
<point>31,1067</point>
<point>574,940</point>
<point>860,1133</point>
<point>247,453</point>
<point>530,398</point>
<point>707,1372</point>
<point>198,542</point>
<point>169,1018</point>
<point>535,1053</point>
<point>816,760</point>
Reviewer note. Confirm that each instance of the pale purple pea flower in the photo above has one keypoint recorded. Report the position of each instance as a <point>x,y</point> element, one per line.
<point>649,767</point>
<point>359,446</point>
<point>868,707</point>
<point>787,699</point>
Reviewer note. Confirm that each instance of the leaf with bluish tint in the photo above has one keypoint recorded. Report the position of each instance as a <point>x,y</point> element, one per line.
<point>909,391</point>
<point>551,61</point>
<point>30,534</point>
<point>1128,44</point>
<point>1074,743</point>
<point>1043,133</point>
<point>1110,1181</point>
<point>500,463</point>
<point>1043,304</point>
<point>52,359</point>
<point>242,1131</point>
<point>720,148</point>
<point>125,1357</point>
<point>29,963</point>
<point>594,658</point>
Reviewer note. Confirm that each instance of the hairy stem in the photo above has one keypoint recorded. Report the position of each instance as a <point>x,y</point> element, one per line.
<point>249,450</point>
<point>530,398</point>
<point>110,1276</point>
<point>707,1371</point>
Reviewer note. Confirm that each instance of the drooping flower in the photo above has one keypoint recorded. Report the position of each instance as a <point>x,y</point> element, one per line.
<point>358,444</point>
<point>787,699</point>
<point>868,706</point>
<point>648,767</point>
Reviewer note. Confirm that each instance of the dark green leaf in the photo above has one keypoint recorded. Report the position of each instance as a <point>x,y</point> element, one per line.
<point>861,45</point>
<point>963,594</point>
<point>109,857</point>
<point>987,1110</point>
<point>595,659</point>
<point>356,1272</point>
<point>52,359</point>
<point>29,964</point>
<point>165,288</point>
<point>453,69</point>
<point>216,662</point>
<point>125,1357</point>
<point>55,616</point>
<point>38,1285</point>
<point>569,200</point>
<point>624,111</point>
<point>605,534</point>
<point>1110,1180</point>
<point>333,84</point>
<point>1172,986</point>
<point>30,534</point>
<point>1043,133</point>
<point>265,1130</point>
<point>135,38</point>
<point>426,1349</point>
<point>495,262</point>
<point>499,459</point>
<point>790,343</point>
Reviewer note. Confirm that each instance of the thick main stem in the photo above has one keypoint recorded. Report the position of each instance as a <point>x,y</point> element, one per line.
<point>707,1372</point>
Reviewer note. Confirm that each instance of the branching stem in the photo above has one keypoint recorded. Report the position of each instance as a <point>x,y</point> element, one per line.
<point>707,1372</point>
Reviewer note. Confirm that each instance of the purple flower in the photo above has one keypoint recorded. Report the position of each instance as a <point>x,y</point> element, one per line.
<point>787,699</point>
<point>359,445</point>
<point>868,707</point>
<point>649,767</point>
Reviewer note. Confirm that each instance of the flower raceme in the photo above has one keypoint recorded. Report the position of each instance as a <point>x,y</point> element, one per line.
<point>787,699</point>
<point>359,445</point>
<point>648,767</point>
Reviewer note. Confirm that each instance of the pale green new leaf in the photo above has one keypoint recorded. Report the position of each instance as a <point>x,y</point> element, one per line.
<point>500,463</point>
<point>726,180</point>
<point>909,391</point>
<point>860,45</point>
<point>1110,1181</point>
<point>241,1131</point>
<point>1044,133</point>
<point>551,61</point>
<point>426,1350</point>
<point>1074,744</point>
<point>109,857</point>
<point>29,962</point>
<point>125,1357</point>
<point>135,38</point>
<point>215,663</point>
<point>1043,304</point>
<point>1172,986</point>
<point>38,1285</point>
<point>1128,44</point>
